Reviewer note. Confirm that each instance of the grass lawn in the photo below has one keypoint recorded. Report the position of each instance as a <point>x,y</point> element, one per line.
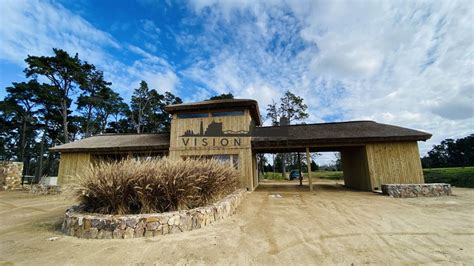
<point>456,176</point>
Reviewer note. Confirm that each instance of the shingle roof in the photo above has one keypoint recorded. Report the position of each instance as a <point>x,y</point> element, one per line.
<point>354,132</point>
<point>210,105</point>
<point>118,143</point>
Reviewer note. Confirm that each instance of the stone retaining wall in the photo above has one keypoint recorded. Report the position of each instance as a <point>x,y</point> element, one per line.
<point>416,190</point>
<point>10,175</point>
<point>86,225</point>
<point>45,189</point>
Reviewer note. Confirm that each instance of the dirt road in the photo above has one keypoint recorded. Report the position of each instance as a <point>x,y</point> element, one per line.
<point>330,225</point>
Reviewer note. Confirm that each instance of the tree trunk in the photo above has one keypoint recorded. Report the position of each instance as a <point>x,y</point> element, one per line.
<point>23,141</point>
<point>89,115</point>
<point>23,149</point>
<point>283,165</point>
<point>64,116</point>
<point>274,167</point>
<point>299,169</point>
<point>40,161</point>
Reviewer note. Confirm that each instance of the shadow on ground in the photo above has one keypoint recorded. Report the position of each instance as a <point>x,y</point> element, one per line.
<point>295,187</point>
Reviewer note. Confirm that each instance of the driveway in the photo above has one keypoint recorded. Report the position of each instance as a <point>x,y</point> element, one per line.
<point>280,225</point>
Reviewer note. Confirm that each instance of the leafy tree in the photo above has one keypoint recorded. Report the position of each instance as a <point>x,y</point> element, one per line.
<point>222,96</point>
<point>94,91</point>
<point>64,72</point>
<point>314,166</point>
<point>273,113</point>
<point>165,117</point>
<point>292,109</point>
<point>9,135</point>
<point>451,153</point>
<point>111,103</point>
<point>147,109</point>
<point>21,100</point>
<point>34,116</point>
<point>50,130</point>
<point>140,106</point>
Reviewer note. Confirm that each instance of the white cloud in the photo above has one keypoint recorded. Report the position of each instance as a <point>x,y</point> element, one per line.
<point>404,63</point>
<point>35,27</point>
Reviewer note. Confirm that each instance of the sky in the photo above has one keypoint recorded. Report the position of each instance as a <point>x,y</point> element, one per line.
<point>407,63</point>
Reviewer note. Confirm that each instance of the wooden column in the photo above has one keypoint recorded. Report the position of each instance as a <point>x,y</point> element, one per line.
<point>308,162</point>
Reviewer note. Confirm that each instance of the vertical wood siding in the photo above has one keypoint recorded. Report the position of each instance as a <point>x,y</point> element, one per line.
<point>71,165</point>
<point>355,168</point>
<point>394,163</point>
<point>235,123</point>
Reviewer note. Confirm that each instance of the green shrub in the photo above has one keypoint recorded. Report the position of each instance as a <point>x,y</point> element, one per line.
<point>131,186</point>
<point>456,176</point>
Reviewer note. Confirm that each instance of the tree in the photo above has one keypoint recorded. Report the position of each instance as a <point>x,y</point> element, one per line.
<point>36,116</point>
<point>314,166</point>
<point>95,91</point>
<point>23,99</point>
<point>147,109</point>
<point>451,153</point>
<point>50,130</point>
<point>338,162</point>
<point>292,109</point>
<point>140,106</point>
<point>64,72</point>
<point>261,162</point>
<point>168,99</point>
<point>111,103</point>
<point>9,135</point>
<point>222,96</point>
<point>273,113</point>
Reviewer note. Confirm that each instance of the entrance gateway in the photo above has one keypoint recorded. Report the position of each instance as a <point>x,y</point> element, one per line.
<point>231,130</point>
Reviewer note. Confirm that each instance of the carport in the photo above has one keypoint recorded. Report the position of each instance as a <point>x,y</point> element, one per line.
<point>372,153</point>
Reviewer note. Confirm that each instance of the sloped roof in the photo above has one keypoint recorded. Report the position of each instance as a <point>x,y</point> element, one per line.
<point>210,105</point>
<point>353,132</point>
<point>118,143</point>
<point>342,133</point>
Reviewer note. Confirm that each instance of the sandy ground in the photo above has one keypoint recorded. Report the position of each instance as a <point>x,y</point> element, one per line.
<point>274,225</point>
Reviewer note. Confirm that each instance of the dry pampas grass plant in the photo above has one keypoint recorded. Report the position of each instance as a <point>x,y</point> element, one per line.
<point>159,185</point>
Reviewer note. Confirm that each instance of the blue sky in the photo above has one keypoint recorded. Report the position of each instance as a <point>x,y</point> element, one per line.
<point>408,63</point>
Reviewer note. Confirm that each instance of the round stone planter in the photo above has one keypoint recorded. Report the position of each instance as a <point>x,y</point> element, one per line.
<point>102,226</point>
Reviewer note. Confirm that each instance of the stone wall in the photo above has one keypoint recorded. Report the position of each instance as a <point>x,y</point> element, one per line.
<point>84,225</point>
<point>416,190</point>
<point>10,175</point>
<point>42,189</point>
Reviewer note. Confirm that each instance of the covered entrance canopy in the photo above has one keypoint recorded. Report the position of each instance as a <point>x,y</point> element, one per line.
<point>230,129</point>
<point>371,153</point>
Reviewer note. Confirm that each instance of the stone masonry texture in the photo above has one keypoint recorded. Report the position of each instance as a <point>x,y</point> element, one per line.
<point>102,226</point>
<point>416,190</point>
<point>10,175</point>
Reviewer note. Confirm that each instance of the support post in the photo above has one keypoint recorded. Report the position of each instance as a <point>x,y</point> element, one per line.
<point>308,162</point>
<point>299,169</point>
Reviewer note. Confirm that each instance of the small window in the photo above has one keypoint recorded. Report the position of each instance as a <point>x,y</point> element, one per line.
<point>193,115</point>
<point>228,113</point>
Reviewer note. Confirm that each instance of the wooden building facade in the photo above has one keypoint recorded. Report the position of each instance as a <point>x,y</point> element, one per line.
<point>216,129</point>
<point>230,130</point>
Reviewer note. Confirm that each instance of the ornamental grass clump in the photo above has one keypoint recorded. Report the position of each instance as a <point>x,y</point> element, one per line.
<point>134,186</point>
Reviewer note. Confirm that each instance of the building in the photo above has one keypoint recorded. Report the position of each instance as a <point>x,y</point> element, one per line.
<point>231,130</point>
